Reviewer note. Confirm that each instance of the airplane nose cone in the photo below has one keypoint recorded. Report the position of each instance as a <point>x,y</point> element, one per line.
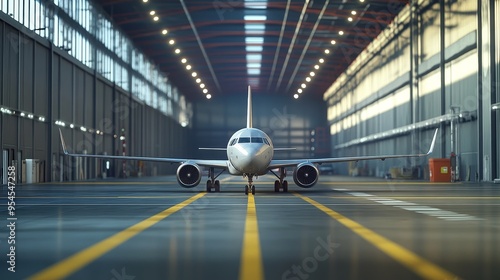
<point>256,161</point>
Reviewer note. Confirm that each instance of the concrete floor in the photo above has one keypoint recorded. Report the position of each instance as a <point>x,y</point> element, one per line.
<point>343,228</point>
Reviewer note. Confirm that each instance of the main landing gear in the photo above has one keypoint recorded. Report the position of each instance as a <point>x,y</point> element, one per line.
<point>280,183</point>
<point>212,183</point>
<point>250,187</point>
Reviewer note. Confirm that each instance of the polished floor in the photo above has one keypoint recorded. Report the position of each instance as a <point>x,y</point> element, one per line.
<point>343,228</point>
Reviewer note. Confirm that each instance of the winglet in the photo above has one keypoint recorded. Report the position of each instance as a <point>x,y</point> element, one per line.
<point>249,108</point>
<point>433,142</point>
<point>63,143</point>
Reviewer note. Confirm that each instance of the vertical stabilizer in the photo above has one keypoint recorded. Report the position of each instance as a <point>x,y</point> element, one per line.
<point>249,108</point>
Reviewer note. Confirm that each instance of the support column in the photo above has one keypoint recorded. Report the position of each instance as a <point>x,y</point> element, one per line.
<point>485,120</point>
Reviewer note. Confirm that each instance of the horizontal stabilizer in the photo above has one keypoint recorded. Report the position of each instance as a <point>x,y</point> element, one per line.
<point>285,149</point>
<point>213,149</point>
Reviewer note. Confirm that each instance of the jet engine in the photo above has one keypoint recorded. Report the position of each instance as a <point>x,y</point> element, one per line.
<point>305,175</point>
<point>188,175</point>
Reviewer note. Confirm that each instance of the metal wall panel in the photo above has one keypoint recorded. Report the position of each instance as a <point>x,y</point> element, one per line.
<point>66,94</point>
<point>11,57</point>
<point>41,71</point>
<point>429,31</point>
<point>26,47</point>
<point>88,95</point>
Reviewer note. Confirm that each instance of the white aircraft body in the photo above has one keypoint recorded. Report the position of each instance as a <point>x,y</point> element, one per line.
<point>249,154</point>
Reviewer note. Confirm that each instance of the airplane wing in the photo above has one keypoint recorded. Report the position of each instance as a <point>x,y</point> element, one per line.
<point>201,162</point>
<point>293,162</point>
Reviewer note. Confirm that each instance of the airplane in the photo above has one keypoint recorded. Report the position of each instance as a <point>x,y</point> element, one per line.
<point>249,154</point>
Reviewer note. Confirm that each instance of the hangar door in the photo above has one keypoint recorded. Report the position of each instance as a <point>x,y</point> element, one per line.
<point>496,99</point>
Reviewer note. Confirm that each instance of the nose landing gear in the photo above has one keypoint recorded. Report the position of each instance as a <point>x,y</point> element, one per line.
<point>250,187</point>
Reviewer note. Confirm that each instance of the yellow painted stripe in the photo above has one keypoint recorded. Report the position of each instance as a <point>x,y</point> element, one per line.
<point>90,183</point>
<point>422,197</point>
<point>251,258</point>
<point>391,183</point>
<point>418,265</point>
<point>77,261</point>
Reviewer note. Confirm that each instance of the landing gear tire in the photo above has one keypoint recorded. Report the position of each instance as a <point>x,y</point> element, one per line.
<point>217,186</point>
<point>246,189</point>
<point>285,186</point>
<point>209,185</point>
<point>276,186</point>
<point>253,190</point>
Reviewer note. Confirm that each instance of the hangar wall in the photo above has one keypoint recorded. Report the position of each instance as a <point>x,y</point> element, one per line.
<point>300,124</point>
<point>433,67</point>
<point>44,88</point>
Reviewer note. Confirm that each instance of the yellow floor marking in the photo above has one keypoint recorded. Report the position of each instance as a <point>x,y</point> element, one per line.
<point>251,258</point>
<point>108,183</point>
<point>420,197</point>
<point>77,261</point>
<point>420,266</point>
<point>390,183</point>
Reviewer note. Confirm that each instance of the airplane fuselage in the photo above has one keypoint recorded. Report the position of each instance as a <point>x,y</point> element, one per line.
<point>249,151</point>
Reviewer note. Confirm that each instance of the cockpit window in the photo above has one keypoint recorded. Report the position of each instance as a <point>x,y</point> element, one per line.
<point>233,142</point>
<point>257,140</point>
<point>244,140</point>
<point>251,140</point>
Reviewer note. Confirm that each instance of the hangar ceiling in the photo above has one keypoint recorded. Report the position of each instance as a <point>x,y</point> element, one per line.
<point>277,47</point>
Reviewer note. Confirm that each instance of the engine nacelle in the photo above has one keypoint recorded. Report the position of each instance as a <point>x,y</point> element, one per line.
<point>305,175</point>
<point>189,175</point>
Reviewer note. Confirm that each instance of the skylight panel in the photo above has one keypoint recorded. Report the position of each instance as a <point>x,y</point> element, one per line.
<point>253,65</point>
<point>256,4</point>
<point>253,71</point>
<point>255,26</point>
<point>255,18</point>
<point>254,57</point>
<point>254,40</point>
<point>254,48</point>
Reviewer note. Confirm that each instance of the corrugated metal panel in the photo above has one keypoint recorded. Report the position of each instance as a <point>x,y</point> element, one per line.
<point>497,48</point>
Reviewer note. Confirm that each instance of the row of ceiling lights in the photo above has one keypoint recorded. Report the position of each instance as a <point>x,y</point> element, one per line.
<point>32,116</point>
<point>183,60</point>
<point>321,60</point>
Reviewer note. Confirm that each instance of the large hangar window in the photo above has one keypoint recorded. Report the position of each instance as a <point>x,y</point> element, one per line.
<point>112,59</point>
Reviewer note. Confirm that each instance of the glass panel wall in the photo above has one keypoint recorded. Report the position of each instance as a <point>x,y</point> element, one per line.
<point>80,28</point>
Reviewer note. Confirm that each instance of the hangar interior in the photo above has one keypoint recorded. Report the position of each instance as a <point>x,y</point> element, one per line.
<point>332,79</point>
<point>66,65</point>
